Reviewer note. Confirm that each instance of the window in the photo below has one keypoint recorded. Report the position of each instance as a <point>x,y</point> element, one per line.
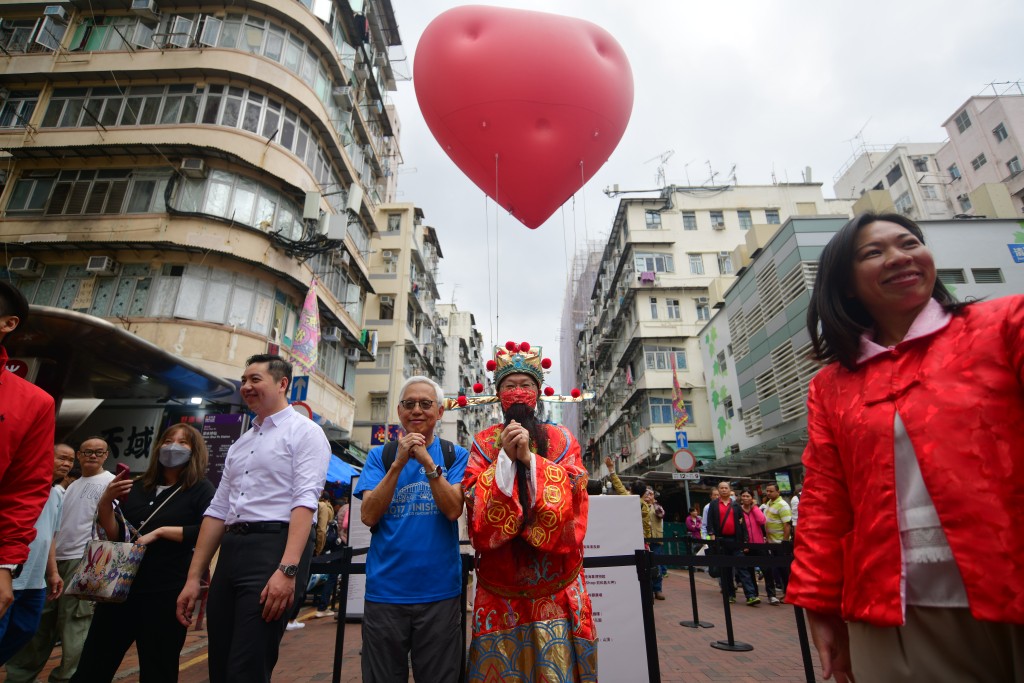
<point>954,172</point>
<point>387,308</point>
<point>963,121</point>
<point>771,216</point>
<point>658,358</point>
<point>1000,132</point>
<point>654,308</point>
<point>1014,165</point>
<point>661,412</point>
<point>717,218</point>
<point>978,161</point>
<point>17,110</point>
<point>107,191</point>
<point>383,361</point>
<point>696,264</point>
<point>920,164</point>
<point>894,174</point>
<point>727,407</point>
<point>703,312</point>
<point>689,220</point>
<point>378,408</point>
<point>929,192</point>
<point>965,203</point>
<point>904,204</point>
<point>653,263</point>
<point>745,221</point>
<point>653,219</point>
<point>723,363</point>
<point>951,276</point>
<point>394,222</point>
<point>987,276</point>
<point>725,263</point>
<point>672,308</point>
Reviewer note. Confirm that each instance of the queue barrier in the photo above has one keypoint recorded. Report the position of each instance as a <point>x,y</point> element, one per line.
<point>644,560</point>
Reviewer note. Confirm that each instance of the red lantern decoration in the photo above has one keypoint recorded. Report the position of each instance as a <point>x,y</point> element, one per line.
<point>510,345</point>
<point>545,363</point>
<point>478,387</point>
<point>491,366</point>
<point>575,393</point>
<point>548,391</point>
<point>528,105</point>
<point>462,400</point>
<point>524,347</point>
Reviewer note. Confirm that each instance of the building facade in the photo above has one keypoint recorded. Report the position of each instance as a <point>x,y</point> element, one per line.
<point>984,155</point>
<point>464,367</point>
<point>910,173</point>
<point>666,264</point>
<point>185,172</point>
<point>756,349</point>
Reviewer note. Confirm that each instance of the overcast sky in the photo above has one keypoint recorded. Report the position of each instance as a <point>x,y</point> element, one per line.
<point>768,85</point>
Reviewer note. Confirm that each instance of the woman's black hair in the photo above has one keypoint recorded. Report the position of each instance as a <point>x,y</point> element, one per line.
<point>835,319</point>
<point>638,488</point>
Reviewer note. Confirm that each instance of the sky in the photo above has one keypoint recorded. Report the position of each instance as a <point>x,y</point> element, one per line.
<point>771,86</point>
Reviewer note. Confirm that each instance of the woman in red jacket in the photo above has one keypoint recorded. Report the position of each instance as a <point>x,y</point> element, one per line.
<point>909,561</point>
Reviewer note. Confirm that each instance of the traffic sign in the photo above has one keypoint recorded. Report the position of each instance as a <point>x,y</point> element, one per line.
<point>684,460</point>
<point>686,476</point>
<point>300,388</point>
<point>681,441</point>
<point>300,408</point>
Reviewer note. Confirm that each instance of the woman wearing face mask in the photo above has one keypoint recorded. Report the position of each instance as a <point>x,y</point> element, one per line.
<point>166,505</point>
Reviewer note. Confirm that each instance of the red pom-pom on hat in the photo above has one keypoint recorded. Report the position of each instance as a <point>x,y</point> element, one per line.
<point>462,400</point>
<point>478,387</point>
<point>524,347</point>
<point>548,391</point>
<point>575,393</point>
<point>510,345</point>
<point>491,366</point>
<point>545,363</point>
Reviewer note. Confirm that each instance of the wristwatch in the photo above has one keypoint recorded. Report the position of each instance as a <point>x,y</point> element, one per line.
<point>15,569</point>
<point>289,570</point>
<point>438,471</point>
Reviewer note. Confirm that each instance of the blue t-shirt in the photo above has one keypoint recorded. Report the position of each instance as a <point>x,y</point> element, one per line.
<point>414,554</point>
<point>33,573</point>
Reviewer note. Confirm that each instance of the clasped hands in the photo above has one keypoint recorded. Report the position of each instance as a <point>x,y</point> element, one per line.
<point>414,445</point>
<point>515,441</point>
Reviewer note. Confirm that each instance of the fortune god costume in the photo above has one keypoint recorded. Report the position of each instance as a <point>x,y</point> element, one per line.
<point>532,618</point>
<point>957,387</point>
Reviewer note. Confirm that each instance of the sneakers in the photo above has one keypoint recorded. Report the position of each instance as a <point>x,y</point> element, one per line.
<point>732,600</point>
<point>774,601</point>
<point>753,601</point>
<point>294,626</point>
<point>659,596</point>
<point>320,615</point>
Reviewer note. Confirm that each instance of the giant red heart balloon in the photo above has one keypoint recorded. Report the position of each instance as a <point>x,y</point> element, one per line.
<point>529,105</point>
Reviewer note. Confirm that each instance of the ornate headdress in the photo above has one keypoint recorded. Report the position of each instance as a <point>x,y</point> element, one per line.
<point>515,359</point>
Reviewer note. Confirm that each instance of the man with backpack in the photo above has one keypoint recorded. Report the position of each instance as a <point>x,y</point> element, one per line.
<point>411,491</point>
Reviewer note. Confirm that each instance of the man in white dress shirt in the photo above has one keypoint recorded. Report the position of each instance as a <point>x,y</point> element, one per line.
<point>262,519</point>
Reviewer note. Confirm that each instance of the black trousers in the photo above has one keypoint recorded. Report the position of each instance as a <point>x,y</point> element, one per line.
<point>148,620</point>
<point>243,647</point>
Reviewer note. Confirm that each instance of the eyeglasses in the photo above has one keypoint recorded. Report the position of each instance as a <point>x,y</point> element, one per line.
<point>410,404</point>
<point>97,453</point>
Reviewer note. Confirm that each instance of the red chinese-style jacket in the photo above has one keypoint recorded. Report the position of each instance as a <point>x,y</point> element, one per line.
<point>960,394</point>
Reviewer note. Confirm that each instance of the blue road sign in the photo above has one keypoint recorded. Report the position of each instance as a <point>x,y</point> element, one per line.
<point>300,387</point>
<point>681,441</point>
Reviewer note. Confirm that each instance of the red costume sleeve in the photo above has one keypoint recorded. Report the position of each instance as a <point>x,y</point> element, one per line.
<point>826,515</point>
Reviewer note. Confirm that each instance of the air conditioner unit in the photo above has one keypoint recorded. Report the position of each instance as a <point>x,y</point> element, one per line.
<point>702,301</point>
<point>353,354</point>
<point>343,97</point>
<point>25,266</point>
<point>386,300</point>
<point>56,12</point>
<point>718,225</point>
<point>101,265</point>
<point>193,167</point>
<point>346,257</point>
<point>332,334</point>
<point>388,255</point>
<point>145,8</point>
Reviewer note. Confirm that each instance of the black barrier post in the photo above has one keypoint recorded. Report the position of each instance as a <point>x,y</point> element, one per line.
<point>342,615</point>
<point>467,569</point>
<point>731,644</point>
<point>696,623</point>
<point>805,647</point>
<point>643,573</point>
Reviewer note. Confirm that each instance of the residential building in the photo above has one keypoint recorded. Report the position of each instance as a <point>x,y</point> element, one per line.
<point>404,257</point>
<point>464,367</point>
<point>756,349</point>
<point>984,156</point>
<point>908,172</point>
<point>182,173</point>
<point>665,264</point>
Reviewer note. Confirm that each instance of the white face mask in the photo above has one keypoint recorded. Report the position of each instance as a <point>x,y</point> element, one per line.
<point>174,454</point>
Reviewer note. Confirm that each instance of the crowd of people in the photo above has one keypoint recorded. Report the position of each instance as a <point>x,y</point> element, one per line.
<point>887,564</point>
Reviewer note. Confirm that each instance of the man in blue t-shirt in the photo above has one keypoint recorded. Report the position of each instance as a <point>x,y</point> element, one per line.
<point>413,569</point>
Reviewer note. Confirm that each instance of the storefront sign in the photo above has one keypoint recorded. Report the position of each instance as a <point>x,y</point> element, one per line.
<point>219,432</point>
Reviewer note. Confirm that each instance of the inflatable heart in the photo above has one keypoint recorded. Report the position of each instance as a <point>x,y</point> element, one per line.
<point>529,105</point>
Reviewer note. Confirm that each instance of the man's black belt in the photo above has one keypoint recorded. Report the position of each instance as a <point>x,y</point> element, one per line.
<point>256,527</point>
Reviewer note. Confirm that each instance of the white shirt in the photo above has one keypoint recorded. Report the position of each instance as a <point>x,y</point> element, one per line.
<point>33,574</point>
<point>273,468</point>
<point>78,513</point>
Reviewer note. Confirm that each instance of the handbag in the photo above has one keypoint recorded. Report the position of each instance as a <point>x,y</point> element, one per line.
<point>108,568</point>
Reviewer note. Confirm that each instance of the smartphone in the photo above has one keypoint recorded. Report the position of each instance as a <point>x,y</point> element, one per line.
<point>122,471</point>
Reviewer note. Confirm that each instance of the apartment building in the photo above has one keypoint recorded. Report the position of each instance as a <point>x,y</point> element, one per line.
<point>908,172</point>
<point>464,367</point>
<point>176,175</point>
<point>667,262</point>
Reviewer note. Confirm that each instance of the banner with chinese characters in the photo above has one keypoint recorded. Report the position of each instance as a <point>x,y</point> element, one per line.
<point>381,434</point>
<point>129,433</point>
<point>307,337</point>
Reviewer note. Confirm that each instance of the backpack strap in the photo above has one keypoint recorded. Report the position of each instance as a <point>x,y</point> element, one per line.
<point>448,448</point>
<point>387,458</point>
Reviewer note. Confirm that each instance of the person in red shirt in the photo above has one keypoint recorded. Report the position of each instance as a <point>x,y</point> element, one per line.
<point>726,522</point>
<point>26,452</point>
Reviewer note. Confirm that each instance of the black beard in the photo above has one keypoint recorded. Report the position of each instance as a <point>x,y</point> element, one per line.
<point>526,416</point>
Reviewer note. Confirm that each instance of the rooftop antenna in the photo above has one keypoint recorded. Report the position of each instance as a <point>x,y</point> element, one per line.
<point>732,174</point>
<point>662,159</point>
<point>711,174</point>
<point>686,170</point>
<point>860,137</point>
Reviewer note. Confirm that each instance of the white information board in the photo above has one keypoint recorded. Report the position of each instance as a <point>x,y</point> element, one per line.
<point>614,528</point>
<point>358,537</point>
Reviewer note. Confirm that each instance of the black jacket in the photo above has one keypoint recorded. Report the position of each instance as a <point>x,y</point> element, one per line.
<point>715,521</point>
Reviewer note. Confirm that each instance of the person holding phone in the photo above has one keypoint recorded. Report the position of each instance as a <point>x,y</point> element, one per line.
<point>166,506</point>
